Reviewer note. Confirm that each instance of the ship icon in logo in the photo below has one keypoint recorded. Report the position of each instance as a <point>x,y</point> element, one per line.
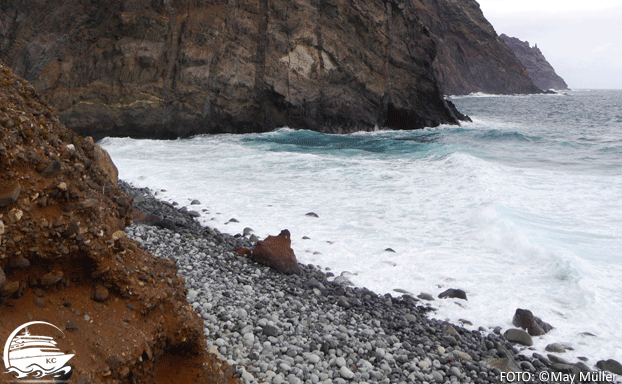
<point>31,355</point>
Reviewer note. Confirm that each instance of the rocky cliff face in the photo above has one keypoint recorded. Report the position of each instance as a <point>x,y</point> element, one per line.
<point>539,69</point>
<point>176,68</point>
<point>471,57</point>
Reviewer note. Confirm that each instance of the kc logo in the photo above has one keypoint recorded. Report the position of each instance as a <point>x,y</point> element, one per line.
<point>28,355</point>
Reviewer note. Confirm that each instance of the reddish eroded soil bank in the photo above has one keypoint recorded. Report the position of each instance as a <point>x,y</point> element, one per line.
<point>64,258</point>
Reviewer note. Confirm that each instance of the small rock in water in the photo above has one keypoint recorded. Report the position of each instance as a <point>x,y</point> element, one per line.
<point>389,250</point>
<point>555,347</point>
<point>524,319</point>
<point>453,293</point>
<point>233,220</point>
<point>312,214</point>
<point>195,202</point>
<point>425,296</point>
<point>247,231</point>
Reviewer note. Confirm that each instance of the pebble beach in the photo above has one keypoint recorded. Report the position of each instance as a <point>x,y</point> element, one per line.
<point>317,328</point>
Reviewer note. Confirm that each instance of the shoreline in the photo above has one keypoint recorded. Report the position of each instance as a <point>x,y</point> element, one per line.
<point>279,328</point>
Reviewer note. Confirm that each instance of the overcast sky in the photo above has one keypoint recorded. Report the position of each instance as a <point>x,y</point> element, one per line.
<point>582,39</point>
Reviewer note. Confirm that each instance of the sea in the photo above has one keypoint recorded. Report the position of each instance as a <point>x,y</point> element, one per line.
<point>520,208</point>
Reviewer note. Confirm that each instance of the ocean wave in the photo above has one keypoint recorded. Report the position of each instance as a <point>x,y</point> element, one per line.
<point>495,134</point>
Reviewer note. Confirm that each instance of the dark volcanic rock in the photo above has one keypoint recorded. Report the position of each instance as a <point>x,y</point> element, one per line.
<point>610,365</point>
<point>471,57</point>
<point>276,252</point>
<point>453,293</point>
<point>539,69</point>
<point>168,69</point>
<point>534,325</point>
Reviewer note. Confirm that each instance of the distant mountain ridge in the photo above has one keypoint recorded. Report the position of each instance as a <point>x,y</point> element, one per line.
<point>471,57</point>
<point>539,69</point>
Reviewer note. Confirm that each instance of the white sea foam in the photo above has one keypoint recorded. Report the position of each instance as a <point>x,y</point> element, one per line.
<point>467,208</point>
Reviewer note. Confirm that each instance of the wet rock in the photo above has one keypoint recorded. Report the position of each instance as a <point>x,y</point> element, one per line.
<point>453,293</point>
<point>524,319</point>
<point>311,214</point>
<point>425,296</point>
<point>195,202</point>
<point>52,278</point>
<point>389,250</point>
<point>610,365</point>
<point>557,360</point>
<point>555,347</point>
<point>9,195</point>
<point>101,293</point>
<point>518,336</point>
<point>247,231</point>
<point>276,252</point>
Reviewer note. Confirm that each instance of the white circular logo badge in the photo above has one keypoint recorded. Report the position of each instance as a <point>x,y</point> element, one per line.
<point>30,355</point>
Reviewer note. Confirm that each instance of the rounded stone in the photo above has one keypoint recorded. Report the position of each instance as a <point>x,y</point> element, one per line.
<point>346,373</point>
<point>101,293</point>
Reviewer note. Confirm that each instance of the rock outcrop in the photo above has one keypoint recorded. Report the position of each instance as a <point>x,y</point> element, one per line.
<point>277,253</point>
<point>471,56</point>
<point>525,319</point>
<point>539,69</point>
<point>177,68</point>
<point>64,257</point>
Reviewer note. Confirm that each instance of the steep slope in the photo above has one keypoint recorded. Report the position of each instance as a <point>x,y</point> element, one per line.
<point>176,68</point>
<point>539,69</point>
<point>65,260</point>
<point>471,57</point>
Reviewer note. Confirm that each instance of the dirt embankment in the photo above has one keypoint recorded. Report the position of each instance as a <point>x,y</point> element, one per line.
<point>65,260</point>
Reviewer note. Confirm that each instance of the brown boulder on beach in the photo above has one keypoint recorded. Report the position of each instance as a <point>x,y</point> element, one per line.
<point>276,252</point>
<point>524,319</point>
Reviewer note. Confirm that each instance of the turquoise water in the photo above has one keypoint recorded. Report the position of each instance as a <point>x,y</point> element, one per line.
<point>520,208</point>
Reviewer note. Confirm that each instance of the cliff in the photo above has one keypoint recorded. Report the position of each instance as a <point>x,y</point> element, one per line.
<point>471,57</point>
<point>176,68</point>
<point>65,259</point>
<point>539,69</point>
